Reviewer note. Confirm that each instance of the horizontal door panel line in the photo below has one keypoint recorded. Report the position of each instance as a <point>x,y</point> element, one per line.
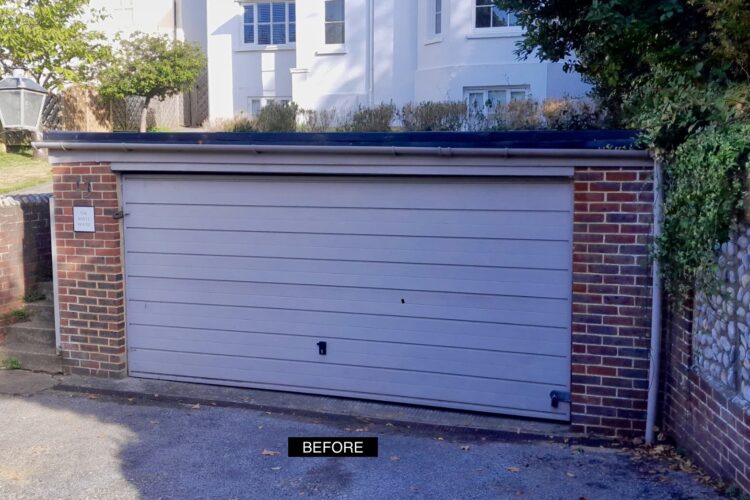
<point>328,363</point>
<point>345,207</point>
<point>564,298</point>
<point>365,395</point>
<point>566,240</point>
<point>354,313</point>
<point>352,339</point>
<point>348,260</point>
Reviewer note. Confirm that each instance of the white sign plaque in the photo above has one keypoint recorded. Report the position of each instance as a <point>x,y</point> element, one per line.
<point>83,220</point>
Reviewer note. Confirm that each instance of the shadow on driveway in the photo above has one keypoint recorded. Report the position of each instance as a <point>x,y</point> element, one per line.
<point>62,445</point>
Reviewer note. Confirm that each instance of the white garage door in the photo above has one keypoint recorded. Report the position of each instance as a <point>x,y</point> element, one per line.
<point>432,291</point>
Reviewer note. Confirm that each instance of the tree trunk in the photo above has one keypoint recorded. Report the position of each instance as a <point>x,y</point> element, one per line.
<point>144,116</point>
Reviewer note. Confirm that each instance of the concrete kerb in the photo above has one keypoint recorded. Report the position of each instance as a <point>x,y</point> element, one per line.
<point>335,410</point>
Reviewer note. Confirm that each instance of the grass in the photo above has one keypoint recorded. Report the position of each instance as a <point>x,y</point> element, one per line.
<point>20,171</point>
<point>33,296</point>
<point>11,363</point>
<point>19,314</point>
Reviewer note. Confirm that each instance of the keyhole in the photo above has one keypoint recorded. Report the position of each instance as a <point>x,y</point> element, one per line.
<point>403,301</point>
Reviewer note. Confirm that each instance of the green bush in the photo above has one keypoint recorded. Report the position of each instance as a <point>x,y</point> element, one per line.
<point>446,116</point>
<point>375,119</point>
<point>704,188</point>
<point>572,114</point>
<point>240,123</point>
<point>521,114</point>
<point>318,121</point>
<point>277,117</point>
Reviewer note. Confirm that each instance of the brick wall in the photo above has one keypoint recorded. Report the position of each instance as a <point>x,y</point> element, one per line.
<point>708,421</point>
<point>611,300</point>
<point>91,297</point>
<point>25,255</point>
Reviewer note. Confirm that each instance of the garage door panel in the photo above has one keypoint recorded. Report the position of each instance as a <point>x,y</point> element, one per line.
<point>509,338</point>
<point>447,292</point>
<point>421,358</point>
<point>351,280</point>
<point>146,215</point>
<point>181,265</point>
<point>533,195</point>
<point>399,302</point>
<point>532,250</point>
<point>426,387</point>
<point>373,309</point>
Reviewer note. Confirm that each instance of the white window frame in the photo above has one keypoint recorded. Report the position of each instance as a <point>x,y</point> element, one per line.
<point>508,89</point>
<point>491,32</point>
<point>262,101</point>
<point>432,36</point>
<point>270,46</point>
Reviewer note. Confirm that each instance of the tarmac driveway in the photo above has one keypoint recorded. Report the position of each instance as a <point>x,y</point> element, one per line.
<point>61,445</point>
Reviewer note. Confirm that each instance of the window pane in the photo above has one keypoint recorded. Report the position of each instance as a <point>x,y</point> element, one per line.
<point>484,2</point>
<point>292,12</point>
<point>249,14</point>
<point>249,33</point>
<point>264,34</point>
<point>334,10</point>
<point>484,17</point>
<point>334,33</point>
<point>279,33</point>
<point>278,12</point>
<point>292,32</point>
<point>499,17</point>
<point>255,107</point>
<point>517,95</point>
<point>10,103</point>
<point>476,101</point>
<point>438,23</point>
<point>496,97</point>
<point>512,20</point>
<point>264,12</point>
<point>438,5</point>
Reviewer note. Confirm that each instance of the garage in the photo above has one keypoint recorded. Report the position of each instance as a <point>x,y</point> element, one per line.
<point>450,292</point>
<point>490,272</point>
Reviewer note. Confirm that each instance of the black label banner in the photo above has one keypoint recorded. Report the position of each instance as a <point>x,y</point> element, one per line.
<point>333,447</point>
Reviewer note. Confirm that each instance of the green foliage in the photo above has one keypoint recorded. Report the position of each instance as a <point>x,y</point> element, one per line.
<point>318,121</point>
<point>370,119</point>
<point>153,67</point>
<point>51,40</point>
<point>447,116</point>
<point>569,114</point>
<point>704,188</point>
<point>11,363</point>
<point>277,117</point>
<point>34,296</point>
<point>19,314</point>
<point>521,114</point>
<point>240,123</point>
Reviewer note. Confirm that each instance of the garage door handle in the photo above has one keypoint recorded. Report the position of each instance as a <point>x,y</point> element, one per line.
<point>557,397</point>
<point>322,348</point>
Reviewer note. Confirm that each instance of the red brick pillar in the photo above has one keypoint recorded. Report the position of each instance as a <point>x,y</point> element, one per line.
<point>91,291</point>
<point>611,300</point>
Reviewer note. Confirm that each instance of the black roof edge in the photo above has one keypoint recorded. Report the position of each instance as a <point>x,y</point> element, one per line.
<point>527,139</point>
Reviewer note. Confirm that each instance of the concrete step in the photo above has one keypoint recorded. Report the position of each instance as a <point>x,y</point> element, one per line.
<point>37,332</point>
<point>43,310</point>
<point>32,357</point>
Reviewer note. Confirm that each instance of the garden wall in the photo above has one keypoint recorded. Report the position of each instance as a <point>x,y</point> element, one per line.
<point>25,247</point>
<point>706,373</point>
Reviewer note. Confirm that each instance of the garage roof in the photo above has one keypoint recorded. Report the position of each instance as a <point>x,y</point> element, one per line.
<point>580,139</point>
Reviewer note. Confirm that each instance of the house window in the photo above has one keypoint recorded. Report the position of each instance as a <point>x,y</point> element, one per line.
<point>255,104</point>
<point>438,17</point>
<point>269,23</point>
<point>487,99</point>
<point>488,15</point>
<point>334,22</point>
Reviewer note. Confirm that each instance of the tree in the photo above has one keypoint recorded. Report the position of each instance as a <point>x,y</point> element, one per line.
<point>152,67</point>
<point>50,39</point>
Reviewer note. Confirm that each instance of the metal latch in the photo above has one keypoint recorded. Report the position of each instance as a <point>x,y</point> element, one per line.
<point>557,397</point>
<point>322,348</point>
<point>119,215</point>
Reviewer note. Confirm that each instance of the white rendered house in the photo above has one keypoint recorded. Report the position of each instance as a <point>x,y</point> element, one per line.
<point>340,54</point>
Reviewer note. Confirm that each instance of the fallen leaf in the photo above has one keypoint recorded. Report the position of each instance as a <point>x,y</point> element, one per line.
<point>570,474</point>
<point>196,406</point>
<point>275,468</point>
<point>269,453</point>
<point>154,422</point>
<point>92,396</point>
<point>361,429</point>
<point>514,469</point>
<point>440,438</point>
<point>260,427</point>
<point>388,424</point>
<point>132,400</point>
<point>395,458</point>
